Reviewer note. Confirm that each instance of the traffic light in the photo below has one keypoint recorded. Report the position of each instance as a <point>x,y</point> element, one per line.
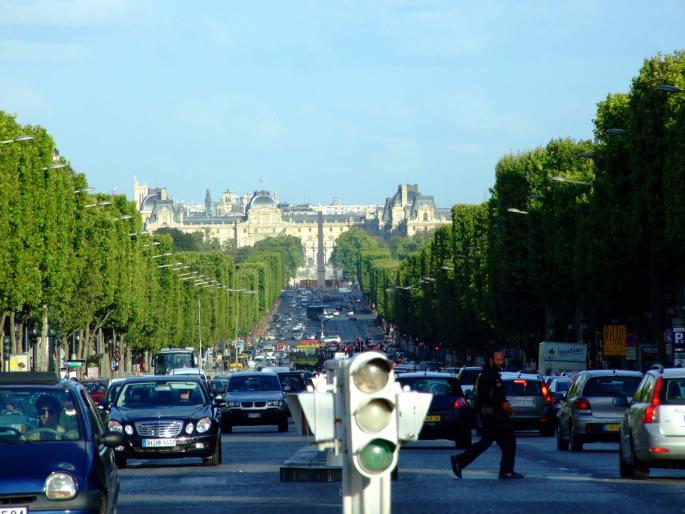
<point>6,346</point>
<point>370,414</point>
<point>313,413</point>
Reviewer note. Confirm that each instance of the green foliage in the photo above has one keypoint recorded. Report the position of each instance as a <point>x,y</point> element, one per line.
<point>347,247</point>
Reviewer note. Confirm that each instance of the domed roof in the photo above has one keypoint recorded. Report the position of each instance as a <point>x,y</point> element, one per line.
<point>262,199</point>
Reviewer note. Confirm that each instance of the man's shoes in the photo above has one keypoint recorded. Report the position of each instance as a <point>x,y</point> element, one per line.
<point>510,476</point>
<point>455,466</point>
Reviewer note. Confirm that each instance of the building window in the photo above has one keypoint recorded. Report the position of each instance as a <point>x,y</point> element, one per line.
<point>425,216</point>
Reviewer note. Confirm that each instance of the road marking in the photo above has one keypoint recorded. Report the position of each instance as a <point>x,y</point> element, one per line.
<point>148,498</point>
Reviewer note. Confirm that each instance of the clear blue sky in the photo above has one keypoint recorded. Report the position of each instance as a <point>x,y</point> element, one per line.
<point>318,98</point>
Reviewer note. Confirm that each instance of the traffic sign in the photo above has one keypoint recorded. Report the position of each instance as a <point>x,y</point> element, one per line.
<point>75,363</point>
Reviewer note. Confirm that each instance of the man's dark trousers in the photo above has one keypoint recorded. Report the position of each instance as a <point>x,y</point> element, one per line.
<point>496,428</point>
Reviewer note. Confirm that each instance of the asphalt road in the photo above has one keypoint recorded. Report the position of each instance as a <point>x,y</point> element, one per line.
<point>248,481</point>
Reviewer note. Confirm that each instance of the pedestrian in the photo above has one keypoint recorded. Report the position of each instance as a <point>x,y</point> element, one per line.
<point>495,415</point>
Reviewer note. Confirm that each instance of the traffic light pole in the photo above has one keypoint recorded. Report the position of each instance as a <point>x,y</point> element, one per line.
<point>363,495</point>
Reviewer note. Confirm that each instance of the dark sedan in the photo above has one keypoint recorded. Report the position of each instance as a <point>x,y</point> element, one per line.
<point>255,399</point>
<point>449,415</point>
<point>167,417</point>
<point>55,455</point>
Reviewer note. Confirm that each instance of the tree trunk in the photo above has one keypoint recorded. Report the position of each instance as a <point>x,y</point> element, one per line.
<point>13,334</point>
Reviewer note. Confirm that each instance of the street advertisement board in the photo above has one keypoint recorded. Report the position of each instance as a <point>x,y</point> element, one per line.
<point>554,357</point>
<point>615,340</point>
<point>19,362</point>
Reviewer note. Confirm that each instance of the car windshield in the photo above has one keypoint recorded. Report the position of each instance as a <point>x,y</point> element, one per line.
<point>34,414</point>
<point>294,381</point>
<point>145,395</point>
<point>252,383</point>
<point>469,376</point>
<point>522,387</point>
<point>611,386</point>
<point>436,386</point>
<point>95,387</point>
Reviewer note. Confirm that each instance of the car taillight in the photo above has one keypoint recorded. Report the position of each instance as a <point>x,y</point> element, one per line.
<point>651,414</point>
<point>545,393</point>
<point>460,403</point>
<point>582,404</point>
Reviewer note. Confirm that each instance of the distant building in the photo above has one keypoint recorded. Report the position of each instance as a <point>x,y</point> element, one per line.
<point>409,212</point>
<point>244,220</point>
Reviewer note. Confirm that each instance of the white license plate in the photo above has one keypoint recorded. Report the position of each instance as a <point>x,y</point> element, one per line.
<point>253,414</point>
<point>14,510</point>
<point>522,402</point>
<point>158,443</point>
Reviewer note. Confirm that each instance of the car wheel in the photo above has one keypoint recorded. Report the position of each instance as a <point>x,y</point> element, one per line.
<point>283,426</point>
<point>638,470</point>
<point>120,461</point>
<point>215,458</point>
<point>625,469</point>
<point>576,441</point>
<point>561,443</point>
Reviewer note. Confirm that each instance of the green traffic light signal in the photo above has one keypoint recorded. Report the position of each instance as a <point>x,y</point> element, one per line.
<point>377,455</point>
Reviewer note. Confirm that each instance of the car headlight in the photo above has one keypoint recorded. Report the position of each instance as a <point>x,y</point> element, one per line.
<point>274,403</point>
<point>233,404</point>
<point>114,426</point>
<point>128,429</point>
<point>189,428</point>
<point>60,486</point>
<point>203,425</point>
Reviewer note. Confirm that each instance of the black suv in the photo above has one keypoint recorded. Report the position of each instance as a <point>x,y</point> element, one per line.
<point>167,417</point>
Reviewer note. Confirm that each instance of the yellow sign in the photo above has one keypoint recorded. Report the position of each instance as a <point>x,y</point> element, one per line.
<point>19,362</point>
<point>615,340</point>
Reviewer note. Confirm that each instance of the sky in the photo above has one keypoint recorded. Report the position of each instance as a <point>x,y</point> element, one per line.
<point>316,99</point>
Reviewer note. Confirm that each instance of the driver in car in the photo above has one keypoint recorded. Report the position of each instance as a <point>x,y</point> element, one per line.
<point>49,428</point>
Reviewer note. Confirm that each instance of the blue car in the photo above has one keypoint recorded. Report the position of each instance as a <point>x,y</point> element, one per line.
<point>56,455</point>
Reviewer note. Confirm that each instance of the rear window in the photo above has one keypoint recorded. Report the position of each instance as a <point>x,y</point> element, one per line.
<point>611,386</point>
<point>435,386</point>
<point>522,387</point>
<point>469,377</point>
<point>673,391</point>
<point>561,387</point>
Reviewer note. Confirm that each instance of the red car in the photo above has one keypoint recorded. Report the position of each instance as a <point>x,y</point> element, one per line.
<point>97,389</point>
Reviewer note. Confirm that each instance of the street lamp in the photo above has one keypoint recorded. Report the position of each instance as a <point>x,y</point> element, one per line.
<point>516,211</point>
<point>167,254</point>
<point>16,140</point>
<point>153,243</point>
<point>55,166</point>
<point>570,181</point>
<point>616,131</point>
<point>98,204</point>
<point>123,217</point>
<point>668,88</point>
<point>84,190</point>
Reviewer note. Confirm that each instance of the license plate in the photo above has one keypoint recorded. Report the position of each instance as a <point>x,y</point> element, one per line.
<point>14,510</point>
<point>522,402</point>
<point>432,419</point>
<point>253,414</point>
<point>158,443</point>
<point>613,427</point>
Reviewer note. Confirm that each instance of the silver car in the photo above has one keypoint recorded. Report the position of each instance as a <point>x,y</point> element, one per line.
<point>653,427</point>
<point>594,406</point>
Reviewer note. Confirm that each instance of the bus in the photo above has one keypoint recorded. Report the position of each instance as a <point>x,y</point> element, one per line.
<point>306,354</point>
<point>315,312</point>
<point>167,359</point>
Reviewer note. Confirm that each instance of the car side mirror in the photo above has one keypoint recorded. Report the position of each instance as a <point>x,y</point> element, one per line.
<point>620,401</point>
<point>287,388</point>
<point>111,439</point>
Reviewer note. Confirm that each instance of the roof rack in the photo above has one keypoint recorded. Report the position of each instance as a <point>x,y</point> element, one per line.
<point>29,378</point>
